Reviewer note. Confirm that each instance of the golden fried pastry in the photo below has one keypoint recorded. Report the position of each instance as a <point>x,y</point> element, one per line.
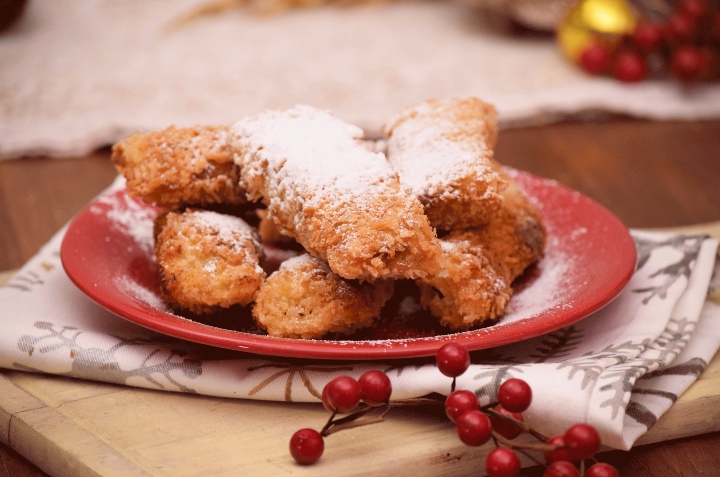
<point>305,299</point>
<point>342,202</point>
<point>207,260</point>
<point>180,166</point>
<point>482,263</point>
<point>443,150</point>
<point>269,233</point>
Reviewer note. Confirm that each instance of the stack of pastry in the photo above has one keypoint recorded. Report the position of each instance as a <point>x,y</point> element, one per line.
<point>428,203</point>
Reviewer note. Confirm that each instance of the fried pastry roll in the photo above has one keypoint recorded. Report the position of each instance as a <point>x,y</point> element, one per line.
<point>207,261</point>
<point>342,202</point>
<point>305,299</point>
<point>443,150</point>
<point>482,264</point>
<point>180,166</point>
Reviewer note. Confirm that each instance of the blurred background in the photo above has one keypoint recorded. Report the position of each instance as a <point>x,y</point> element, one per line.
<point>79,75</point>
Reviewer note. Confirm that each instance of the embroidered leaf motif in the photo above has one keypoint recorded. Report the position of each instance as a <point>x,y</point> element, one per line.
<point>400,367</point>
<point>641,414</point>
<point>688,245</point>
<point>623,377</point>
<point>620,385</point>
<point>291,370</point>
<point>493,378</point>
<point>101,364</point>
<point>692,367</point>
<point>673,339</point>
<point>25,281</point>
<point>557,344</point>
<point>592,365</point>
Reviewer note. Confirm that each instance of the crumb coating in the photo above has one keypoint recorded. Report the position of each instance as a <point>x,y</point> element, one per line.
<point>305,299</point>
<point>174,167</point>
<point>443,150</point>
<point>482,264</point>
<point>207,260</point>
<point>340,201</point>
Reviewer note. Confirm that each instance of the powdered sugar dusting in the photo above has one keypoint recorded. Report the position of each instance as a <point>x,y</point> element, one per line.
<point>435,145</point>
<point>548,290</point>
<point>223,224</point>
<point>142,293</point>
<point>431,166</point>
<point>314,151</point>
<point>230,230</point>
<point>129,216</point>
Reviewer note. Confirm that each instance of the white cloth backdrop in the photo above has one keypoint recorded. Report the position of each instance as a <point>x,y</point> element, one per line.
<point>76,75</point>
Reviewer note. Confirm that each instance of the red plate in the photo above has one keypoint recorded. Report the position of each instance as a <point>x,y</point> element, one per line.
<point>590,256</point>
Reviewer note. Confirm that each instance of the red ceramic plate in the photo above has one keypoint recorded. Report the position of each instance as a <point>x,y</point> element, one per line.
<point>590,256</point>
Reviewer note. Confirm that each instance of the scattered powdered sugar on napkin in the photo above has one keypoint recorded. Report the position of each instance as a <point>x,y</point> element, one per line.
<point>124,69</point>
<point>619,369</point>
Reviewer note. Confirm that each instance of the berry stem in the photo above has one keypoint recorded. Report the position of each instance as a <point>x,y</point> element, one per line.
<point>530,456</point>
<point>521,424</point>
<point>328,424</point>
<point>352,421</point>
<point>420,401</point>
<point>542,447</point>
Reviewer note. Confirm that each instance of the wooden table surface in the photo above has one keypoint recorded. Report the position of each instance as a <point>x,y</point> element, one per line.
<point>650,174</point>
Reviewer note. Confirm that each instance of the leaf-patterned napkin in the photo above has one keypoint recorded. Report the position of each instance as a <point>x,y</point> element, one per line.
<point>619,369</point>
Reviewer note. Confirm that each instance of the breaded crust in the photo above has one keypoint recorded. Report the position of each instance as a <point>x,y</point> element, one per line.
<point>269,233</point>
<point>482,264</point>
<point>443,150</point>
<point>180,166</point>
<point>207,260</point>
<point>340,201</point>
<point>305,299</point>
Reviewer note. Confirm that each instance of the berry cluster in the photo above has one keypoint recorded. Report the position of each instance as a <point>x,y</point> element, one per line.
<point>685,45</point>
<point>502,421</point>
<point>341,396</point>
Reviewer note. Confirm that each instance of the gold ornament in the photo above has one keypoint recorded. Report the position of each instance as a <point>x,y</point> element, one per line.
<point>590,21</point>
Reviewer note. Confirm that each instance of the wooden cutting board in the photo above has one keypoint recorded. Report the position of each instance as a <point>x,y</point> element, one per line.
<point>82,428</point>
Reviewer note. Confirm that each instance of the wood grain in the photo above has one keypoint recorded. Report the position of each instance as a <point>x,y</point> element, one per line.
<point>83,429</point>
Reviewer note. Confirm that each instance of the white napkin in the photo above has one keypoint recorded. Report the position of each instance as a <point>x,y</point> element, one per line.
<point>619,369</point>
<point>86,74</point>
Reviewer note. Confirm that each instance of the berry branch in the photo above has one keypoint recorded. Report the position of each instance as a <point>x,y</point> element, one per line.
<point>682,42</point>
<point>501,421</point>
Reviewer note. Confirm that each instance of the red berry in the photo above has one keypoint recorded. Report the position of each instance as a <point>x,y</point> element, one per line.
<point>306,446</point>
<point>341,394</point>
<point>595,58</point>
<point>515,395</point>
<point>629,67</point>
<point>648,36</point>
<point>601,469</point>
<point>694,8</point>
<point>505,427</point>
<point>582,440</point>
<point>688,63</point>
<point>561,468</point>
<point>715,26</point>
<point>459,402</point>
<point>452,360</point>
<point>502,462</point>
<point>680,28</point>
<point>375,388</point>
<point>473,428</point>
<point>561,453</point>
